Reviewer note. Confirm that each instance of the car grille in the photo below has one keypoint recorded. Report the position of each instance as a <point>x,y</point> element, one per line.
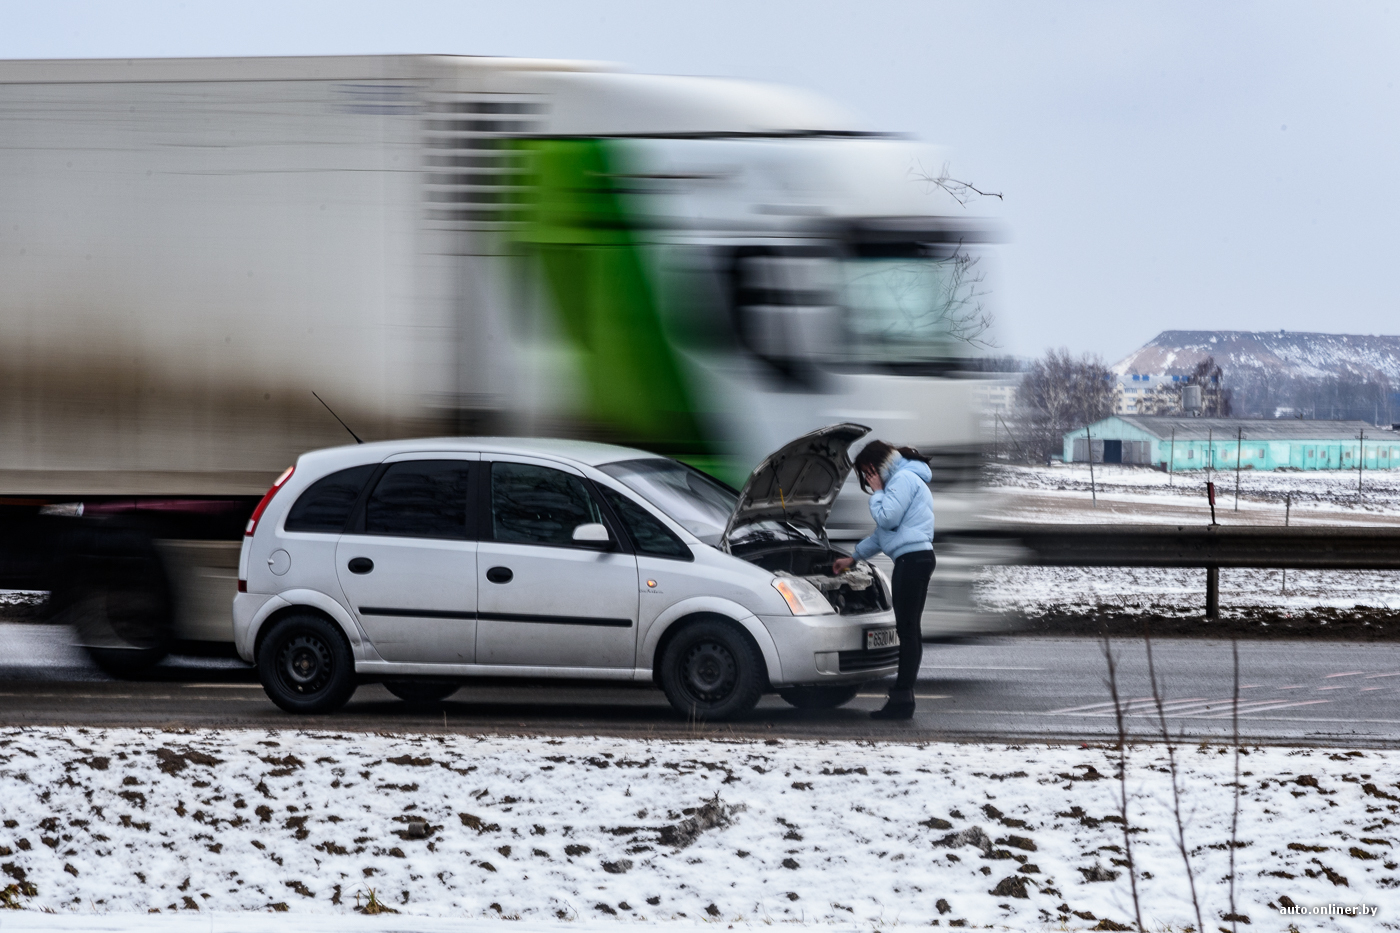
<point>868,660</point>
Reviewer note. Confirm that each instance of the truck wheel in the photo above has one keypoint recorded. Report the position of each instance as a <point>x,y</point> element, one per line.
<point>421,691</point>
<point>712,671</point>
<point>305,665</point>
<point>113,595</point>
<point>820,697</point>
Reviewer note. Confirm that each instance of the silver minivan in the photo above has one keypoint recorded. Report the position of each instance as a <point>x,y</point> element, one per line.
<point>421,564</point>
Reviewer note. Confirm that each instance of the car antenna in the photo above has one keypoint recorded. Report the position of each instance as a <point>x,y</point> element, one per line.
<point>337,418</point>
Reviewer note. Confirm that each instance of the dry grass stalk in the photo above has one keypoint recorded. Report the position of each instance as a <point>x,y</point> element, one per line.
<point>1119,717</point>
<point>1176,782</point>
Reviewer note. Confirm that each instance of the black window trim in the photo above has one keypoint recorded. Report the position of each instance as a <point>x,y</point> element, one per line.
<point>616,529</point>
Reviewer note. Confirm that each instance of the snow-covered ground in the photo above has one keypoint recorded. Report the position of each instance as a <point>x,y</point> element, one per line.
<point>1062,493</point>
<point>105,826</point>
<point>1179,592</point>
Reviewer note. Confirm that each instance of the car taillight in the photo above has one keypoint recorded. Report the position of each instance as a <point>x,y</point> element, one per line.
<point>242,586</point>
<point>262,504</point>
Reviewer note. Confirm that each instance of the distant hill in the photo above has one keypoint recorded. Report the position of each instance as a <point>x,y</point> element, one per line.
<point>1284,353</point>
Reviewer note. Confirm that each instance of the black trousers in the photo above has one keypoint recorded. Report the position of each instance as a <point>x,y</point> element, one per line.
<point>911,576</point>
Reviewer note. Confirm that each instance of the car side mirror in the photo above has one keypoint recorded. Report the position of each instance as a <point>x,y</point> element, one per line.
<point>593,535</point>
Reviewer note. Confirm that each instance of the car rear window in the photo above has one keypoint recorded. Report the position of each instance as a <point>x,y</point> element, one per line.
<point>326,505</point>
<point>420,499</point>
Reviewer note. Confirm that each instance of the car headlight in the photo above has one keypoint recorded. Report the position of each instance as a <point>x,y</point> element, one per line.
<point>802,598</point>
<point>884,582</point>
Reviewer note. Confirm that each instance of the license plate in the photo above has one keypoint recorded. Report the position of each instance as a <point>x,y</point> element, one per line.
<point>881,638</point>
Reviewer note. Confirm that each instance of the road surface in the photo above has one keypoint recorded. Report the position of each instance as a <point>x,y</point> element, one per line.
<point>1005,689</point>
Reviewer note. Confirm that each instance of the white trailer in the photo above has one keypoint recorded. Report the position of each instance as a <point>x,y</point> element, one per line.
<point>435,245</point>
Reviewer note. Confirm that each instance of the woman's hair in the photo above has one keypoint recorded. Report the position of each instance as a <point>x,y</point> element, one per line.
<point>874,455</point>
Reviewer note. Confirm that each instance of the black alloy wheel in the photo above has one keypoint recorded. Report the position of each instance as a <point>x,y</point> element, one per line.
<point>421,691</point>
<point>820,697</point>
<point>305,665</point>
<point>711,670</point>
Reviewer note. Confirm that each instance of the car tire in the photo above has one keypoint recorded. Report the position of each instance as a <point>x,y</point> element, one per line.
<point>711,670</point>
<point>823,697</point>
<point>421,691</point>
<point>305,665</point>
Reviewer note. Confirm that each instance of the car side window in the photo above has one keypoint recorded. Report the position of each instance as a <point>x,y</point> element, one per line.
<point>420,499</point>
<point>649,536</point>
<point>326,504</point>
<point>538,505</point>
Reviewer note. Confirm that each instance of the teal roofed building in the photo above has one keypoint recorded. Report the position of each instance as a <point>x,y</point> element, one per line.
<point>1220,443</point>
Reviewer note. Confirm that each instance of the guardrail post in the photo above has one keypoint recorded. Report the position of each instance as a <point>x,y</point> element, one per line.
<point>1212,593</point>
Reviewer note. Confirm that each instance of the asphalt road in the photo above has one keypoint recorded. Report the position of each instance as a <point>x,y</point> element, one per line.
<point>1005,689</point>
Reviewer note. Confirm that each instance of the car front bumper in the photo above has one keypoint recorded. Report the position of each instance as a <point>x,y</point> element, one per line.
<point>830,649</point>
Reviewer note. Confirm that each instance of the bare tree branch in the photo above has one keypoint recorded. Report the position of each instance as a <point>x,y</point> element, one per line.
<point>960,191</point>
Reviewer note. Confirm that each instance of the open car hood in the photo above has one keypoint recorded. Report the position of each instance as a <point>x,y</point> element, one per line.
<point>799,482</point>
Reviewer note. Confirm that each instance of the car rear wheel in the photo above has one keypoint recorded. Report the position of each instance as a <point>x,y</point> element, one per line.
<point>421,691</point>
<point>711,671</point>
<point>826,697</point>
<point>305,665</point>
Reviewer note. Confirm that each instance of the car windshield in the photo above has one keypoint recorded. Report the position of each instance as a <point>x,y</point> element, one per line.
<point>910,309</point>
<point>697,503</point>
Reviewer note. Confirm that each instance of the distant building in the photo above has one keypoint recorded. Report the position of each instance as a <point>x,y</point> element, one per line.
<point>997,396</point>
<point>1265,444</point>
<point>1130,388</point>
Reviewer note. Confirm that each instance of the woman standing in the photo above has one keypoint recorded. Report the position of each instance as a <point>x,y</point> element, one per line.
<point>902,506</point>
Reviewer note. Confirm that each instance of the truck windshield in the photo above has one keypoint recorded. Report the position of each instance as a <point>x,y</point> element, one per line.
<point>910,309</point>
<point>699,504</point>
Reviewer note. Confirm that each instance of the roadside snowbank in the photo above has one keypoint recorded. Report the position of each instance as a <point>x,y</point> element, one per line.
<point>1172,591</point>
<point>110,824</point>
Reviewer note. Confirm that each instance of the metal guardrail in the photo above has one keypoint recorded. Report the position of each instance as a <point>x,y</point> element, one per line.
<point>1208,546</point>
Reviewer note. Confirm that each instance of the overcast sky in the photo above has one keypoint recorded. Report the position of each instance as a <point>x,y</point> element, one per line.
<point>1165,166</point>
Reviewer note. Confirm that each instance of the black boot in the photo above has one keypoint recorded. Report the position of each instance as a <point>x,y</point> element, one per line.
<point>899,706</point>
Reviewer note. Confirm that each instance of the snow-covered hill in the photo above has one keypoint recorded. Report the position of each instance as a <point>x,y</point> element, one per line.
<point>1300,355</point>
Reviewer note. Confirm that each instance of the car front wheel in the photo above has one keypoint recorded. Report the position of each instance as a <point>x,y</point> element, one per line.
<point>305,665</point>
<point>711,671</point>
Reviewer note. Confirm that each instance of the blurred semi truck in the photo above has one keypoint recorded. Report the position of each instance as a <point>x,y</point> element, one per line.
<point>439,245</point>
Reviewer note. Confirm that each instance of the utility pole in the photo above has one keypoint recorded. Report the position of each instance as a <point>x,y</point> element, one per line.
<point>1089,444</point>
<point>1171,460</point>
<point>1012,437</point>
<point>1210,453</point>
<point>1287,508</point>
<point>1239,439</point>
<point>1360,462</point>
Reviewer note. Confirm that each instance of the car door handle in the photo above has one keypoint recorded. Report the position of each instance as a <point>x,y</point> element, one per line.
<point>360,565</point>
<point>500,575</point>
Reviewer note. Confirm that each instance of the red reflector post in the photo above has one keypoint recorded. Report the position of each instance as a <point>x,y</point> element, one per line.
<point>262,503</point>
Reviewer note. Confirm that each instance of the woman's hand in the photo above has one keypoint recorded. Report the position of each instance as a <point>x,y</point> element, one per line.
<point>841,565</point>
<point>872,479</point>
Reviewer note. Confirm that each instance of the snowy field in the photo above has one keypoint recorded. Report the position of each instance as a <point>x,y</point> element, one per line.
<point>1033,592</point>
<point>1128,494</point>
<point>106,828</point>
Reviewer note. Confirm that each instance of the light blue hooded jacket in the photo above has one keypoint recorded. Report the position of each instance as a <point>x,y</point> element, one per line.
<point>903,511</point>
